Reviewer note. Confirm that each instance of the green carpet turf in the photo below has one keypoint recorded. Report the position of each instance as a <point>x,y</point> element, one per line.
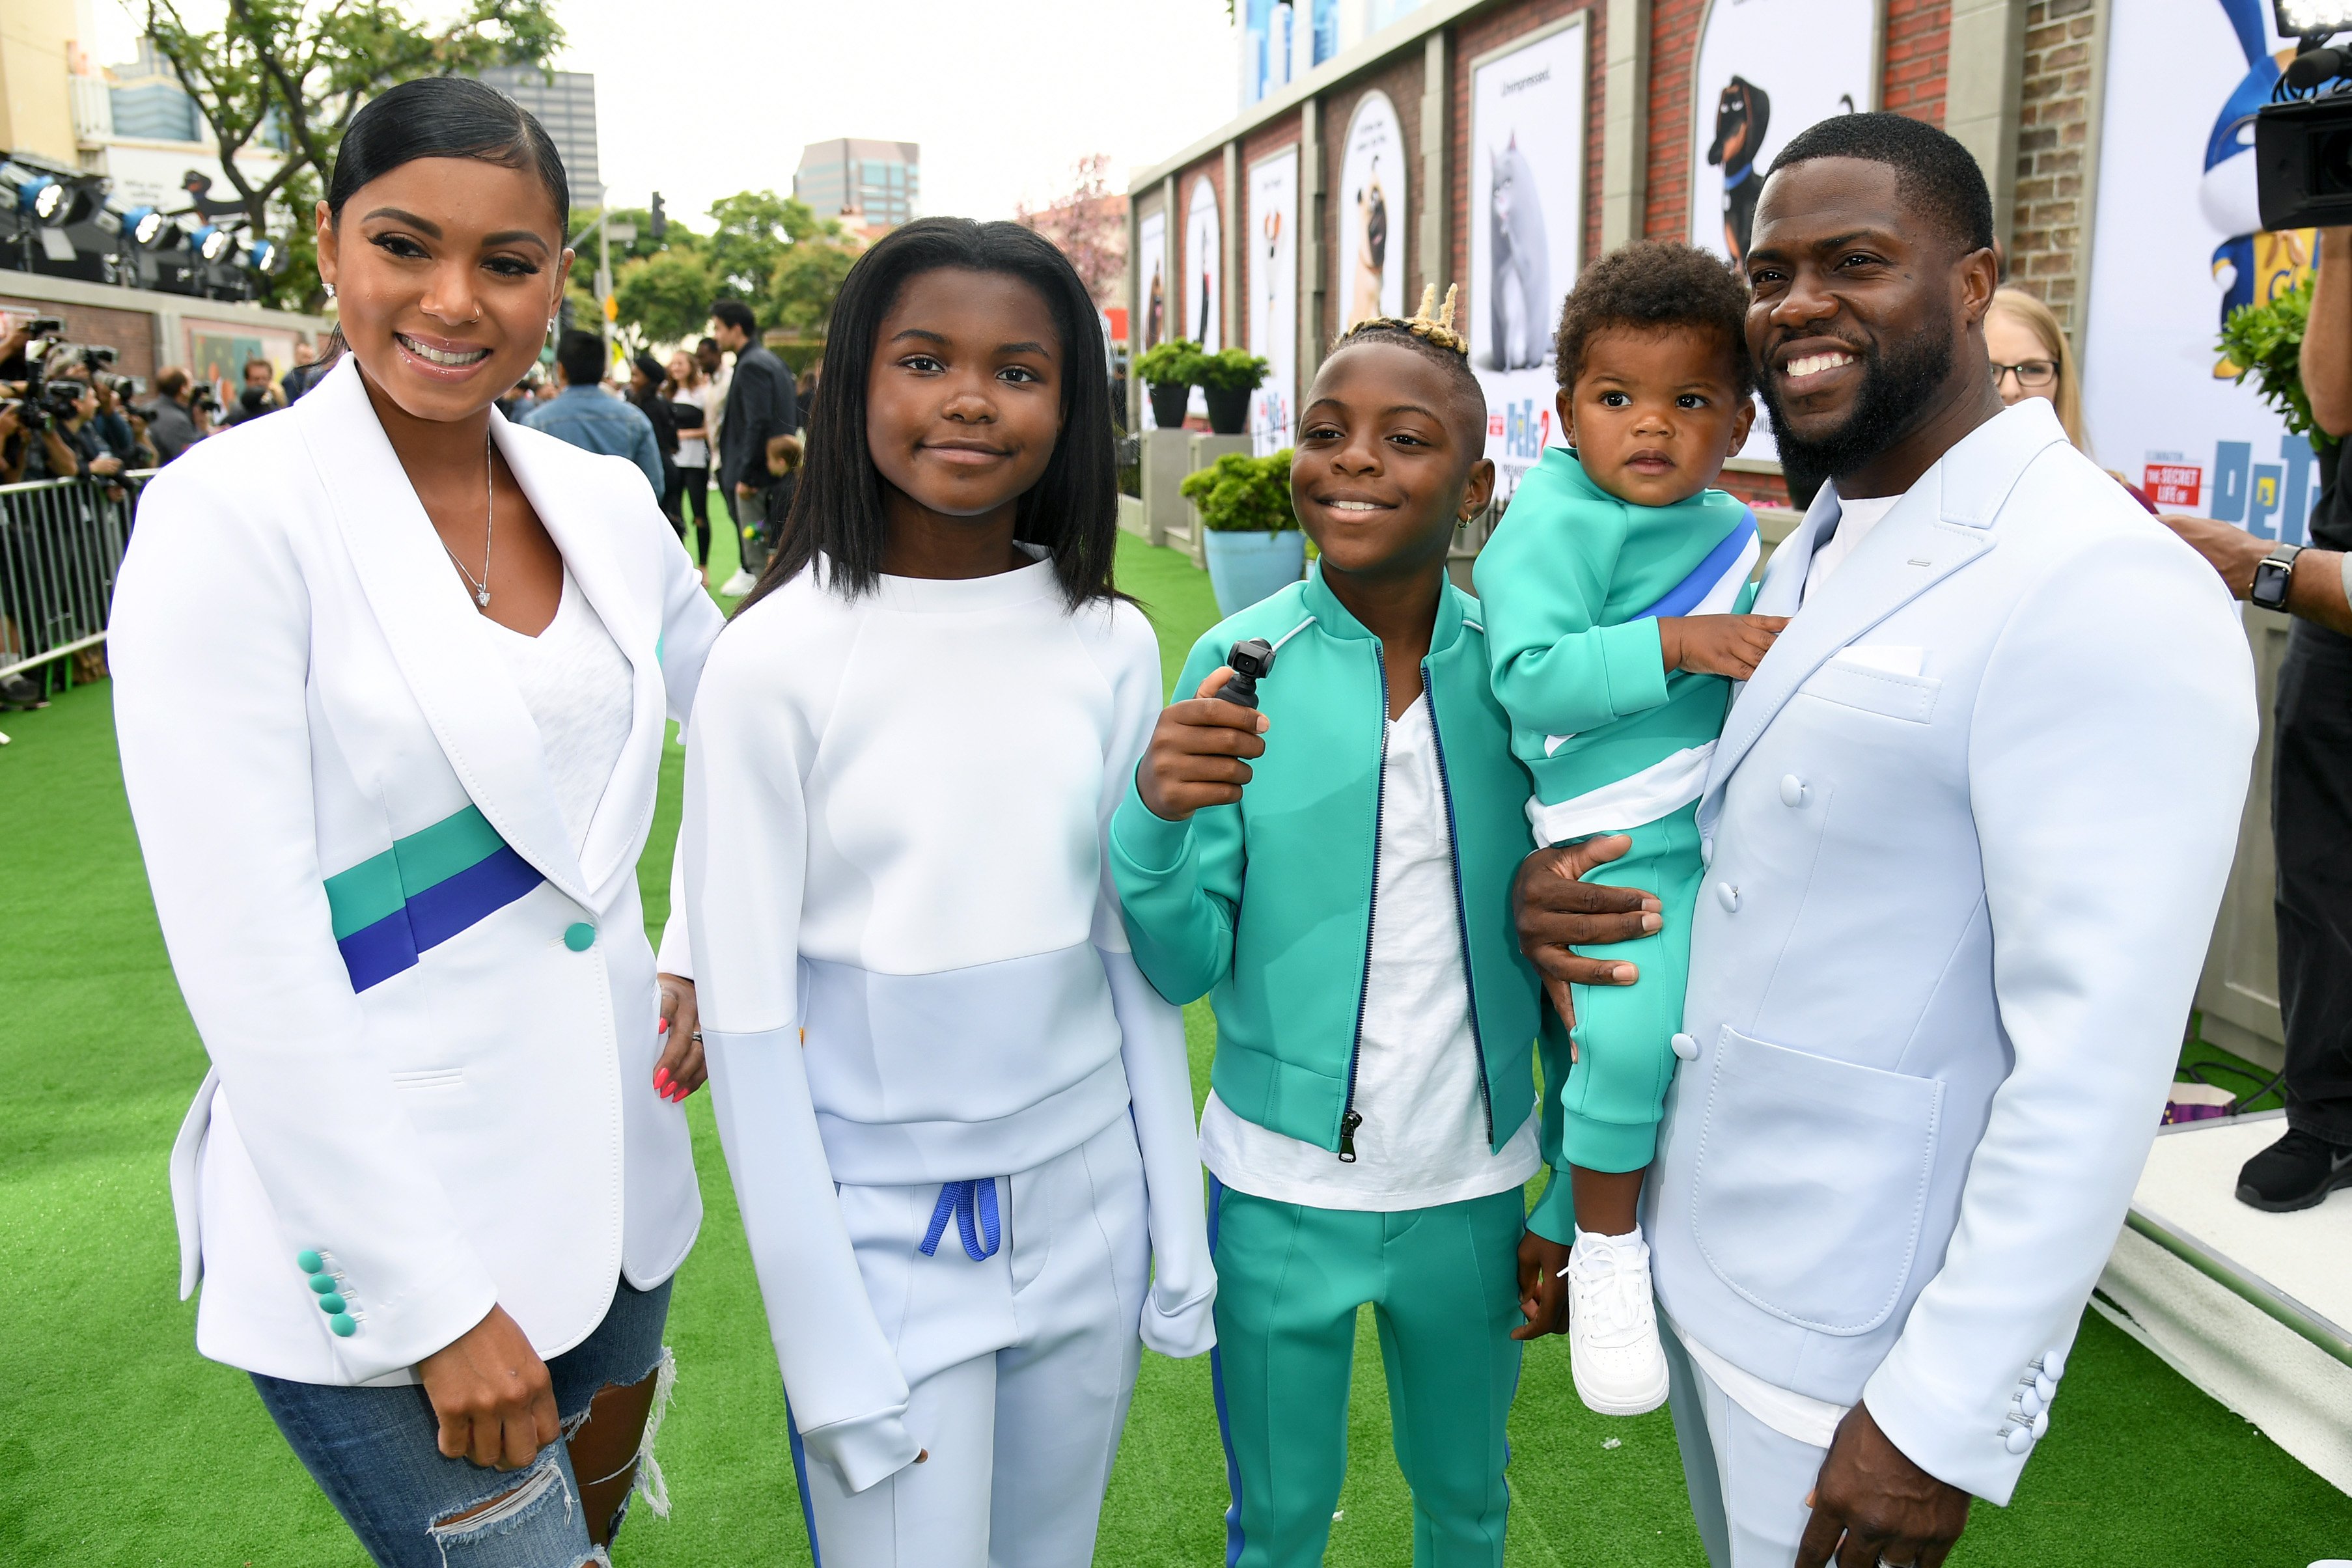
<point>120,1446</point>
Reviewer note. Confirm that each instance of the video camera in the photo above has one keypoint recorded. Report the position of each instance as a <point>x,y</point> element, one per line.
<point>2303,137</point>
<point>44,400</point>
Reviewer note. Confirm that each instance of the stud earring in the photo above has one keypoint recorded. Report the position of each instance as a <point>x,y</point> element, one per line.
<point>331,291</point>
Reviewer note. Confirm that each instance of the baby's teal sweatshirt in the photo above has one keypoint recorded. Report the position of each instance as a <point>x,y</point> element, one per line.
<point>1573,583</point>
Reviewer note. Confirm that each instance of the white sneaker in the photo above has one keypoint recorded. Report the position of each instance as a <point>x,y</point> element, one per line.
<point>737,585</point>
<point>1613,1327</point>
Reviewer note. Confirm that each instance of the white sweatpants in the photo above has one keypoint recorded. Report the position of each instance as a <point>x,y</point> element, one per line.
<point>1019,1368</point>
<point>1748,1483</point>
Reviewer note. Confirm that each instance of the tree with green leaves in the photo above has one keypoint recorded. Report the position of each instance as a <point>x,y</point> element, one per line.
<point>770,251</point>
<point>286,77</point>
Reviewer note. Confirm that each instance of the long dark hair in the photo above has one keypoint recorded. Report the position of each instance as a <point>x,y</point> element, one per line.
<point>443,116</point>
<point>1072,510</point>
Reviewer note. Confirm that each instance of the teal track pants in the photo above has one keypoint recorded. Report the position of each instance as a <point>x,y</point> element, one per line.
<point>1443,1286</point>
<point>1616,1091</point>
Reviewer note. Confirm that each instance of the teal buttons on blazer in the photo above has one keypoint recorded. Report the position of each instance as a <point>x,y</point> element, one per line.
<point>310,1262</point>
<point>580,937</point>
<point>322,1283</point>
<point>330,1303</point>
<point>344,1325</point>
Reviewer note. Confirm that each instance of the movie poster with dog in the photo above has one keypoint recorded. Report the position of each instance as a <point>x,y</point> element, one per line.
<point>1151,280</point>
<point>1528,139</point>
<point>1767,70</point>
<point>1272,235</point>
<point>1372,197</point>
<point>2176,245</point>
<point>1200,273</point>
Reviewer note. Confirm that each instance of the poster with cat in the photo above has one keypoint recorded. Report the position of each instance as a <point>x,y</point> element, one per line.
<point>1200,273</point>
<point>1372,205</point>
<point>1271,231</point>
<point>1528,139</point>
<point>1151,283</point>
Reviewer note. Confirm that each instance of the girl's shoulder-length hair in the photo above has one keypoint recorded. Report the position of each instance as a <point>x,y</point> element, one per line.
<point>838,511</point>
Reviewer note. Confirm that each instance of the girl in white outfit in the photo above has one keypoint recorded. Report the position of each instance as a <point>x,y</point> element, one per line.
<point>958,1119</point>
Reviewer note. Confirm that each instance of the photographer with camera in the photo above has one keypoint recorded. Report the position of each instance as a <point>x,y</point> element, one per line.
<point>2310,819</point>
<point>174,421</point>
<point>259,396</point>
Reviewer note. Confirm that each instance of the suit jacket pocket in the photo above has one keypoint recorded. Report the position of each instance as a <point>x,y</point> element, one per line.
<point>1850,683</point>
<point>1812,1181</point>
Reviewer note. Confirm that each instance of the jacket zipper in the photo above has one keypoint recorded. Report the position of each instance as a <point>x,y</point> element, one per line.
<point>1460,910</point>
<point>1348,1120</point>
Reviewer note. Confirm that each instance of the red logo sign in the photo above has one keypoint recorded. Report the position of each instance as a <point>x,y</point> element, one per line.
<point>2174,484</point>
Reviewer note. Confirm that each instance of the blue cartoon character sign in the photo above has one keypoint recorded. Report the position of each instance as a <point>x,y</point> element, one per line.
<point>2252,266</point>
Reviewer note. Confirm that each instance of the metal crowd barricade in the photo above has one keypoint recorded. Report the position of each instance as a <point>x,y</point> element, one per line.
<point>61,542</point>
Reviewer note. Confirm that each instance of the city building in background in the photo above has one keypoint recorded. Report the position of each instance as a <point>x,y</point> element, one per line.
<point>1279,41</point>
<point>565,103</point>
<point>871,186</point>
<point>147,102</point>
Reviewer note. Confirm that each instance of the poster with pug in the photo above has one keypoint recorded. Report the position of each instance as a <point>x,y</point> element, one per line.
<point>1272,235</point>
<point>1372,197</point>
<point>2178,243</point>
<point>1527,141</point>
<point>1767,70</point>
<point>1152,281</point>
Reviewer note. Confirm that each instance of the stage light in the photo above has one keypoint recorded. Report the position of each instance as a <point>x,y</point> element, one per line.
<point>149,227</point>
<point>211,242</point>
<point>267,256</point>
<point>2311,18</point>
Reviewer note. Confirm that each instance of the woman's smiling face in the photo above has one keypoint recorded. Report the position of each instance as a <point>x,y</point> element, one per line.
<point>446,271</point>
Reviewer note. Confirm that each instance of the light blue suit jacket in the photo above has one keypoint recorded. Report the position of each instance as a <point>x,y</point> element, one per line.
<point>1950,928</point>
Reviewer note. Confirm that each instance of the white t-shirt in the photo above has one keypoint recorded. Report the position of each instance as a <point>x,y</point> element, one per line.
<point>694,451</point>
<point>579,689</point>
<point>1419,1074</point>
<point>1856,517</point>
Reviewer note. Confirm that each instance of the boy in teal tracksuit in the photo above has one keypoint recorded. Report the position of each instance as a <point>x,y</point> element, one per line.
<point>1615,593</point>
<point>1336,874</point>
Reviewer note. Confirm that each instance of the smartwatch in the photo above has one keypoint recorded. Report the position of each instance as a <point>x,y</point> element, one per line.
<point>2273,573</point>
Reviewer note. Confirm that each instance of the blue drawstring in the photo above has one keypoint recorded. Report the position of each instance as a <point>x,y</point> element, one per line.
<point>964,1200</point>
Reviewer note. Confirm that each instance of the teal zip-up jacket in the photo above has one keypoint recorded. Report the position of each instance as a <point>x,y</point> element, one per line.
<point>1571,583</point>
<point>1267,905</point>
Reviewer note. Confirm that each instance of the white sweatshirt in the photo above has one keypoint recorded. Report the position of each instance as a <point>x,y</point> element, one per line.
<point>907,945</point>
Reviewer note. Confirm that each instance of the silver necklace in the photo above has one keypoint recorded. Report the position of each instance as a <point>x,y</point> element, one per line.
<point>480,585</point>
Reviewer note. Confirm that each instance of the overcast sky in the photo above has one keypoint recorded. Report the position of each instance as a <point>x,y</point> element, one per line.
<point>700,98</point>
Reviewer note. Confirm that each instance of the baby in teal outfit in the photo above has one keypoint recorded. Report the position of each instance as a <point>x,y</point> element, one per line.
<point>1615,593</point>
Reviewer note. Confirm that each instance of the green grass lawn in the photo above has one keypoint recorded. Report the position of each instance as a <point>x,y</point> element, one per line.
<point>120,1446</point>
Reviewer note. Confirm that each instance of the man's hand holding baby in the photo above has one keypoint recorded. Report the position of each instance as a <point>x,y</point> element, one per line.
<point>1197,752</point>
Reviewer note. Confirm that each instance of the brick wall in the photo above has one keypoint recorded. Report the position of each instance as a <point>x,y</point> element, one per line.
<point>2045,252</point>
<point>1919,35</point>
<point>1673,59</point>
<point>1401,79</point>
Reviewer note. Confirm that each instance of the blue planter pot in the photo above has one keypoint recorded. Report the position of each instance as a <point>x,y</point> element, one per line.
<point>1247,567</point>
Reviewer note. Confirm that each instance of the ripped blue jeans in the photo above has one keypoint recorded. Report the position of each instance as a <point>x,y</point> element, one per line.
<point>376,1452</point>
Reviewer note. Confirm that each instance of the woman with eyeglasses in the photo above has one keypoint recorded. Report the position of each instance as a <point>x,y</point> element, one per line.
<point>2030,358</point>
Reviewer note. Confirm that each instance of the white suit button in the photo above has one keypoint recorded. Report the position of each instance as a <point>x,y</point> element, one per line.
<point>2031,1400</point>
<point>1685,1047</point>
<point>1792,789</point>
<point>2020,1438</point>
<point>2042,1426</point>
<point>2046,1386</point>
<point>1727,895</point>
<point>2054,1364</point>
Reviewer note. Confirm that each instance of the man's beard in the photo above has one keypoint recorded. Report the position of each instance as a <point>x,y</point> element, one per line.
<point>1896,384</point>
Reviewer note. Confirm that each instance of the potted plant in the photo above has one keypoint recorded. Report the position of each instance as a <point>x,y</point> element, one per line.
<point>1171,370</point>
<point>1251,535</point>
<point>1227,380</point>
<point>2265,341</point>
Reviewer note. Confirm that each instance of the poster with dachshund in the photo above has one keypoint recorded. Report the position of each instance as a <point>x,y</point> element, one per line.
<point>1527,141</point>
<point>2177,243</point>
<point>1372,199</point>
<point>1767,70</point>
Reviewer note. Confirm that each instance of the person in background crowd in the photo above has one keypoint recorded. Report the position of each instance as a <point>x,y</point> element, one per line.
<point>590,418</point>
<point>88,431</point>
<point>806,391</point>
<point>26,455</point>
<point>258,395</point>
<point>547,390</point>
<point>440,1168</point>
<point>694,410</point>
<point>302,373</point>
<point>759,404</point>
<point>517,400</point>
<point>785,475</point>
<point>174,424</point>
<point>2030,358</point>
<point>647,379</point>
<point>2311,769</point>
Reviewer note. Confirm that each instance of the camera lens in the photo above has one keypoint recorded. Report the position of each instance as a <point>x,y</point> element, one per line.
<point>2331,161</point>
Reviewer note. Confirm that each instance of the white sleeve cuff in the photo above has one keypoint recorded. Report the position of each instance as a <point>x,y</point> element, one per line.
<point>864,1449</point>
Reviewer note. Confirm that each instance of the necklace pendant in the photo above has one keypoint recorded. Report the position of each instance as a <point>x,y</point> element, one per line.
<point>482,597</point>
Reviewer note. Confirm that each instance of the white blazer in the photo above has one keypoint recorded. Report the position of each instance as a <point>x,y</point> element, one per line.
<point>1967,831</point>
<point>431,1022</point>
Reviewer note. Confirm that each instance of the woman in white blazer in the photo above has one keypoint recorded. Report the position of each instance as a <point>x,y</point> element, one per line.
<point>391,681</point>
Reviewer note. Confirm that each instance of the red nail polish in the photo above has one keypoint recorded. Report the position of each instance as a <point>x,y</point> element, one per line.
<point>661,1080</point>
<point>661,1026</point>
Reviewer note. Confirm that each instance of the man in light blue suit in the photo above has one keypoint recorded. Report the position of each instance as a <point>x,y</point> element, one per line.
<point>1966,832</point>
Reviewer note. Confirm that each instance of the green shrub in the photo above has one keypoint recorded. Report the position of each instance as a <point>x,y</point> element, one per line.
<point>2265,341</point>
<point>1176,362</point>
<point>1236,369</point>
<point>1241,494</point>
